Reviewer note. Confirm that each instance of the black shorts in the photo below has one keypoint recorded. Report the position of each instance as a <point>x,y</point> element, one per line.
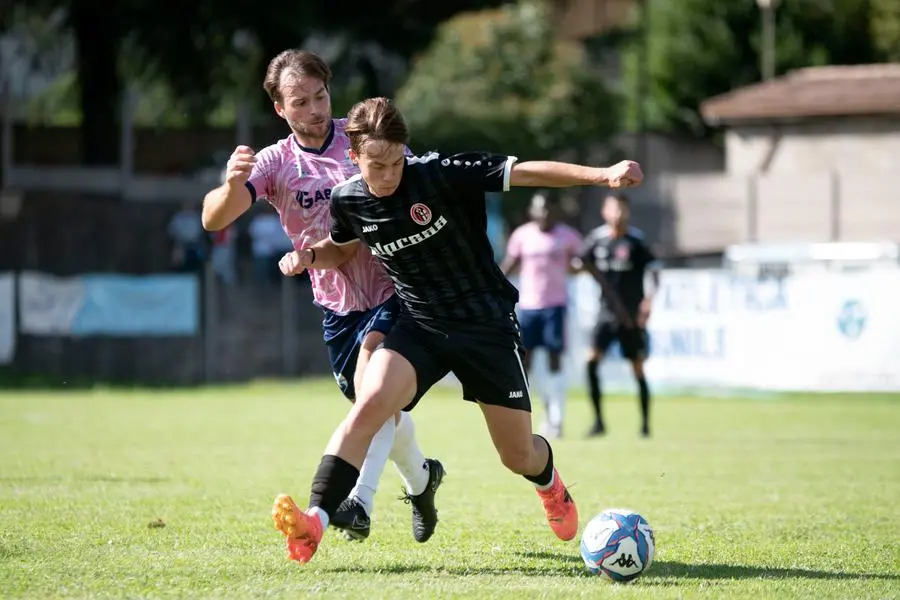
<point>486,357</point>
<point>632,341</point>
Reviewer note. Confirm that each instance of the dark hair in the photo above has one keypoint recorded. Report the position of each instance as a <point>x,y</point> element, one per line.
<point>620,197</point>
<point>299,63</point>
<point>550,196</point>
<point>375,119</point>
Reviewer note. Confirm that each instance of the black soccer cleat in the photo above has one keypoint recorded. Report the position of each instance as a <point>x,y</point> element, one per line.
<point>424,513</point>
<point>597,430</point>
<point>352,519</point>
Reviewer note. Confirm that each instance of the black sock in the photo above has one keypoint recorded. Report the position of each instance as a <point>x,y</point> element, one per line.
<point>594,387</point>
<point>333,482</point>
<point>543,478</point>
<point>645,402</point>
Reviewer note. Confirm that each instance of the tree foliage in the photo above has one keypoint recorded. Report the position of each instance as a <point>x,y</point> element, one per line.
<point>500,80</point>
<point>204,51</point>
<point>886,28</point>
<point>696,49</point>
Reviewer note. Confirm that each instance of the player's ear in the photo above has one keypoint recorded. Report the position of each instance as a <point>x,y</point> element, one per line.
<point>354,157</point>
<point>279,109</point>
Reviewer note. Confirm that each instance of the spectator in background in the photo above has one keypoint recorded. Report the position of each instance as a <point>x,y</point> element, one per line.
<point>268,243</point>
<point>542,250</point>
<point>188,239</point>
<point>222,257</point>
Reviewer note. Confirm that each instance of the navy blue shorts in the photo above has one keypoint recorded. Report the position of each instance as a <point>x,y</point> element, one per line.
<point>543,327</point>
<point>344,335</point>
<point>633,343</point>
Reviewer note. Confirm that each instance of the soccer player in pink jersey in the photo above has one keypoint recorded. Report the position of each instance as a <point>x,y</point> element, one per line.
<point>296,175</point>
<point>543,250</point>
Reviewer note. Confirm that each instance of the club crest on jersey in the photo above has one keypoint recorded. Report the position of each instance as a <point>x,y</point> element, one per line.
<point>420,213</point>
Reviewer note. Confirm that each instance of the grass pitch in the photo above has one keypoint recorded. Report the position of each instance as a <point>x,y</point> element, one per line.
<point>793,497</point>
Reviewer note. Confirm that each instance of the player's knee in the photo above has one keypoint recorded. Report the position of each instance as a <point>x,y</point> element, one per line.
<point>370,411</point>
<point>637,367</point>
<point>517,457</point>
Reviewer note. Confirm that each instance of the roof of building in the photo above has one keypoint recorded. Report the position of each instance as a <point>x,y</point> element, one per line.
<point>811,92</point>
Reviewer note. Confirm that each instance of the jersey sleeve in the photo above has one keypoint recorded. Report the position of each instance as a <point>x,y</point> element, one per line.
<point>574,243</point>
<point>478,171</point>
<point>645,257</point>
<point>262,178</point>
<point>587,248</point>
<point>342,232</point>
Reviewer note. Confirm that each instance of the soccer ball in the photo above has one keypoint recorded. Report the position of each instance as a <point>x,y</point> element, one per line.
<point>618,544</point>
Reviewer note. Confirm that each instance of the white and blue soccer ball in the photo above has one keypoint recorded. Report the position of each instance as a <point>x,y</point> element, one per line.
<point>618,544</point>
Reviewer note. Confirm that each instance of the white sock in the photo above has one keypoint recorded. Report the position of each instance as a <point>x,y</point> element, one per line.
<point>315,511</point>
<point>373,465</point>
<point>556,392</point>
<point>408,458</point>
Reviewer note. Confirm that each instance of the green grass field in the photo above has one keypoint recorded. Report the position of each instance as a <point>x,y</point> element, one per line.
<point>794,497</point>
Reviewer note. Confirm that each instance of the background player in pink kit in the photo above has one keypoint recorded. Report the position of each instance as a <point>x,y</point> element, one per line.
<point>296,175</point>
<point>543,250</point>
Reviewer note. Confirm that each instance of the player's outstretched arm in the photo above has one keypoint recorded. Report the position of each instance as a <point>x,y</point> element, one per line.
<point>324,254</point>
<point>546,173</point>
<point>224,204</point>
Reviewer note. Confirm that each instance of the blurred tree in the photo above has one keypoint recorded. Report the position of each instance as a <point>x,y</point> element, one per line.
<point>205,51</point>
<point>700,48</point>
<point>500,80</point>
<point>886,28</point>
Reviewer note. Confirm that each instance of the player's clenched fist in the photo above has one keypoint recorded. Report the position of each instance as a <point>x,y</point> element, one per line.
<point>240,165</point>
<point>294,263</point>
<point>624,174</point>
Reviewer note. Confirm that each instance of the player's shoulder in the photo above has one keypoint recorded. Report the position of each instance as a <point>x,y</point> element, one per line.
<point>424,160</point>
<point>524,229</point>
<point>349,188</point>
<point>569,231</point>
<point>635,234</point>
<point>339,124</point>
<point>275,153</point>
<point>599,234</point>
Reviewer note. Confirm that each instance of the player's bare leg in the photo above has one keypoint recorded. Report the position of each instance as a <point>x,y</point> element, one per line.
<point>421,476</point>
<point>530,455</point>
<point>395,440</point>
<point>388,385</point>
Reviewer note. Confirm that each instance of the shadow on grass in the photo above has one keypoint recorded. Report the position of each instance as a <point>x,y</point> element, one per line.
<point>712,571</point>
<point>661,573</point>
<point>551,565</point>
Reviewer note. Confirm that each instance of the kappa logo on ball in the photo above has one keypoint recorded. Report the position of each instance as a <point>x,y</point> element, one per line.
<point>420,213</point>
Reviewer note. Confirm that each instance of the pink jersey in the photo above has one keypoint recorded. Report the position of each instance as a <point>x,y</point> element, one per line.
<point>298,183</point>
<point>544,263</point>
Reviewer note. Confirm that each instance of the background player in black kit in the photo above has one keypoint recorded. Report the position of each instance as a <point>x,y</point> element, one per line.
<point>618,257</point>
<point>425,219</point>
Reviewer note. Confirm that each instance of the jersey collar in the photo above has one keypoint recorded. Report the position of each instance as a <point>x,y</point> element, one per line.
<point>324,147</point>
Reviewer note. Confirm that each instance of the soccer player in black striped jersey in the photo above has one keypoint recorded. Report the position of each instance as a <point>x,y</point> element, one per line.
<point>424,218</point>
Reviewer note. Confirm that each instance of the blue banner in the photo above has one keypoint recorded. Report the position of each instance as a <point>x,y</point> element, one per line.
<point>150,305</point>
